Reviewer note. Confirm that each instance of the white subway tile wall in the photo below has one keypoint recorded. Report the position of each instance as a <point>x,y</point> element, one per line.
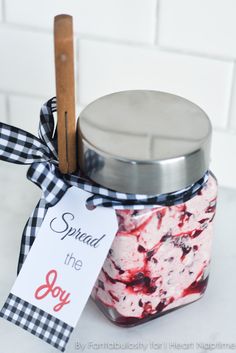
<point>26,62</point>
<point>186,47</point>
<point>232,112</point>
<point>3,109</point>
<point>24,111</point>
<point>1,4</point>
<point>204,26</point>
<point>132,20</point>
<point>223,157</point>
<point>106,67</point>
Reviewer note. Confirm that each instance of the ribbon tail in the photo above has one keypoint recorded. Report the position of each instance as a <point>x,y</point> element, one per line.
<point>47,131</point>
<point>21,147</point>
<point>30,231</point>
<point>50,180</point>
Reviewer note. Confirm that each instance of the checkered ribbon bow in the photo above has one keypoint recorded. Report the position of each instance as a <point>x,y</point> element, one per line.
<point>20,147</point>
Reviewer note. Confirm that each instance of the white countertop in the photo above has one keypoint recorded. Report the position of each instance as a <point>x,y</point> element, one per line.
<point>211,320</point>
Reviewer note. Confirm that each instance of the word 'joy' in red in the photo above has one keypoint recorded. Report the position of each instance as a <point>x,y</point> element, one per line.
<point>49,288</point>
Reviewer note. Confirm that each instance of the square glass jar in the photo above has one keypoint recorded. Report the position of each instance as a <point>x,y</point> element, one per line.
<point>154,148</point>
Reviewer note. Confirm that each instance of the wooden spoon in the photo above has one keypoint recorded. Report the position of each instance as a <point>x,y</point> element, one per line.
<point>65,91</point>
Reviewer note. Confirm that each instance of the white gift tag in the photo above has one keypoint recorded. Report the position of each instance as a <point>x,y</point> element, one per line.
<point>62,266</point>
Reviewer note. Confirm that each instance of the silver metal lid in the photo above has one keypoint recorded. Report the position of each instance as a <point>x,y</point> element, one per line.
<point>144,142</point>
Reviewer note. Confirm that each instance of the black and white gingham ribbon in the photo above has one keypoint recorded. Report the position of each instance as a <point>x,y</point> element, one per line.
<point>18,146</point>
<point>36,321</point>
<point>21,147</point>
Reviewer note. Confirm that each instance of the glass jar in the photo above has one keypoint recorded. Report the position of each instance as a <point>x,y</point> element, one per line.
<point>157,145</point>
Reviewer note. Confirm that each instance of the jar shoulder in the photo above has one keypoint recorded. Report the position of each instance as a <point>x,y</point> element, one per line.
<point>212,184</point>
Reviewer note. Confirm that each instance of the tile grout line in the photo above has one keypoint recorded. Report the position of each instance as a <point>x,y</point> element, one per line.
<point>128,43</point>
<point>196,54</point>
<point>231,100</point>
<point>157,24</point>
<point>26,28</point>
<point>3,8</point>
<point>8,110</point>
<point>223,130</point>
<point>22,94</point>
<point>35,29</point>
<point>155,47</point>
<point>8,94</point>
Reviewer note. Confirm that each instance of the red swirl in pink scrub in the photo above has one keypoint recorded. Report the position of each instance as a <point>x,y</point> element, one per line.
<point>159,259</point>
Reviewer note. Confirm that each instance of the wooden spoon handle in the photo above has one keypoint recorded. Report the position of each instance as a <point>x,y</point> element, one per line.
<point>65,91</point>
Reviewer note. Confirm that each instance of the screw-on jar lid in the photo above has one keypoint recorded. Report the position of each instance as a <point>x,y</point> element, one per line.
<point>144,142</point>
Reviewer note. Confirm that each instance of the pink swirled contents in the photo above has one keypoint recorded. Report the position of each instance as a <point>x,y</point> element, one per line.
<point>159,259</point>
